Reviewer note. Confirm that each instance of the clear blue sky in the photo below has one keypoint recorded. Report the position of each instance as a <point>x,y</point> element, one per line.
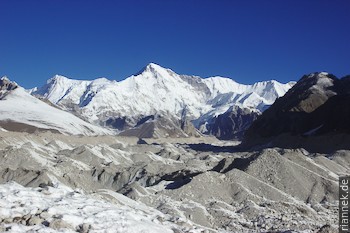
<point>247,41</point>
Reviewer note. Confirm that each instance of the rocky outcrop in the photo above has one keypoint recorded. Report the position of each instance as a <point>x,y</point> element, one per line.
<point>6,86</point>
<point>162,126</point>
<point>317,106</point>
<point>232,124</point>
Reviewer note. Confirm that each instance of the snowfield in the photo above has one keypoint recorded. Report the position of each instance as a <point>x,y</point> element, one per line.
<point>61,209</point>
<point>19,106</point>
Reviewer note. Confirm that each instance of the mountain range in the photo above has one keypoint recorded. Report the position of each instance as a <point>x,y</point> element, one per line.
<point>158,102</point>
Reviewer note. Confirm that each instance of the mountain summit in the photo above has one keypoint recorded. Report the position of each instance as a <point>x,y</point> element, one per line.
<point>153,68</point>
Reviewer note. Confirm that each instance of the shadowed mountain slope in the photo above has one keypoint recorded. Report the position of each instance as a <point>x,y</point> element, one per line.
<point>316,107</point>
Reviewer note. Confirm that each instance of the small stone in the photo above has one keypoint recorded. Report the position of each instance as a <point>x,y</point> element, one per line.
<point>45,223</point>
<point>26,217</point>
<point>17,219</point>
<point>84,228</point>
<point>327,229</point>
<point>160,219</point>
<point>45,185</point>
<point>38,212</point>
<point>175,230</point>
<point>268,227</point>
<point>46,192</point>
<point>7,220</point>
<point>59,224</point>
<point>35,220</point>
<point>58,216</point>
<point>45,215</point>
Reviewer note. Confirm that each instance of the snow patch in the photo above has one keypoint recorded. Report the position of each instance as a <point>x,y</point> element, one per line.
<point>74,209</point>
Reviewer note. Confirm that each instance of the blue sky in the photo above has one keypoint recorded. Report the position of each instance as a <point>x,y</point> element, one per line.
<point>247,41</point>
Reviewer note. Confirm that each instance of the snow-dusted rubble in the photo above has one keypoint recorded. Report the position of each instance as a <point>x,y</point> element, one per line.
<point>62,209</point>
<point>187,184</point>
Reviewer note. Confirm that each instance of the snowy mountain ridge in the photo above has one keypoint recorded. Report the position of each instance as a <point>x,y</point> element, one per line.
<point>157,91</point>
<point>19,109</point>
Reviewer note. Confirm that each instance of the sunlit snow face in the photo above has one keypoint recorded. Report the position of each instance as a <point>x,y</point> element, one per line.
<point>156,90</point>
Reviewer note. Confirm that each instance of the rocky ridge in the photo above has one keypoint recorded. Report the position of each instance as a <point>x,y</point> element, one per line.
<point>314,109</point>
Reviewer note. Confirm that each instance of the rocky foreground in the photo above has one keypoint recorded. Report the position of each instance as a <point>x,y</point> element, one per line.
<point>57,183</point>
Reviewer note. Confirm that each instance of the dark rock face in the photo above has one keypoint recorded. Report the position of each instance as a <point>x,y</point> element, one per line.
<point>334,115</point>
<point>117,123</point>
<point>317,105</point>
<point>197,83</point>
<point>162,126</point>
<point>310,92</point>
<point>124,123</point>
<point>5,86</point>
<point>232,124</point>
<point>144,119</point>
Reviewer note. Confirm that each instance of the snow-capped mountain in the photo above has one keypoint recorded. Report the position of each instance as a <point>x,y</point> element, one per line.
<point>21,111</point>
<point>157,91</point>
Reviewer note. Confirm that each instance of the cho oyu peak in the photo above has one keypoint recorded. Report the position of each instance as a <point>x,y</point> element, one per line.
<point>157,91</point>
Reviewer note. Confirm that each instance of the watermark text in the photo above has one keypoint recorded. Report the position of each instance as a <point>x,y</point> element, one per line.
<point>344,183</point>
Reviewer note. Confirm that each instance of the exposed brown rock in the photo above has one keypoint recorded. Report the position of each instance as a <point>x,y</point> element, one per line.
<point>317,106</point>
